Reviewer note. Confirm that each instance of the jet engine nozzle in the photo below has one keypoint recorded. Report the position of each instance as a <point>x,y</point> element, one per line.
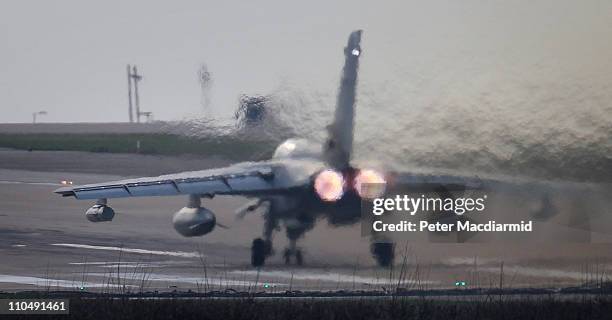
<point>369,184</point>
<point>329,185</point>
<point>100,213</point>
<point>194,222</point>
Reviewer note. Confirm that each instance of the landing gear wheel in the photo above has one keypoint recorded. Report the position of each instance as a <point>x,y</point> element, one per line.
<point>268,251</point>
<point>258,252</point>
<point>384,253</point>
<point>299,259</point>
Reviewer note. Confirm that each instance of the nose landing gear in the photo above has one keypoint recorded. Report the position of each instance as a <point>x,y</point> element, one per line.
<point>297,253</point>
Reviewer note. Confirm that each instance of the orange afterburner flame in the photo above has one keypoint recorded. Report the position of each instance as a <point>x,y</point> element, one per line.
<point>329,185</point>
<point>369,184</point>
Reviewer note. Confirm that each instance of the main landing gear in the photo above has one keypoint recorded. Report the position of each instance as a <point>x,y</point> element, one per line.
<point>260,250</point>
<point>383,252</point>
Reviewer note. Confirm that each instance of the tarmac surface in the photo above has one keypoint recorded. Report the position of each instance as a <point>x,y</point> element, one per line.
<point>46,242</point>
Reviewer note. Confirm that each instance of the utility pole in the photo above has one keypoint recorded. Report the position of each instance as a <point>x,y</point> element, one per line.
<point>129,77</point>
<point>136,78</point>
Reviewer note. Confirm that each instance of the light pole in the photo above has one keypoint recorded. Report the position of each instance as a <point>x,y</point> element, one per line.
<point>42,113</point>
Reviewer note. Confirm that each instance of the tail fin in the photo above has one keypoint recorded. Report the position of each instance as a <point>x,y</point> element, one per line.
<point>339,144</point>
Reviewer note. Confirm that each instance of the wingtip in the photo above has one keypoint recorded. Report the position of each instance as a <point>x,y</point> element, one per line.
<point>64,191</point>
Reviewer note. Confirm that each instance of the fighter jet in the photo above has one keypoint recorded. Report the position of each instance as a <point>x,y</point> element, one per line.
<point>302,182</point>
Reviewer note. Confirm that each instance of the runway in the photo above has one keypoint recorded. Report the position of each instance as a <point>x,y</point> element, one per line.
<point>46,242</point>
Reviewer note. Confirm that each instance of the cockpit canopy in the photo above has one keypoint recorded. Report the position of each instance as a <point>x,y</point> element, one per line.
<point>297,148</point>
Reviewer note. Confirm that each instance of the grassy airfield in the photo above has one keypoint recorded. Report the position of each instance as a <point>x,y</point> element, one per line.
<point>228,147</point>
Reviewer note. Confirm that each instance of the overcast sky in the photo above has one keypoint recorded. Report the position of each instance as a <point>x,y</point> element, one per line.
<point>69,57</point>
